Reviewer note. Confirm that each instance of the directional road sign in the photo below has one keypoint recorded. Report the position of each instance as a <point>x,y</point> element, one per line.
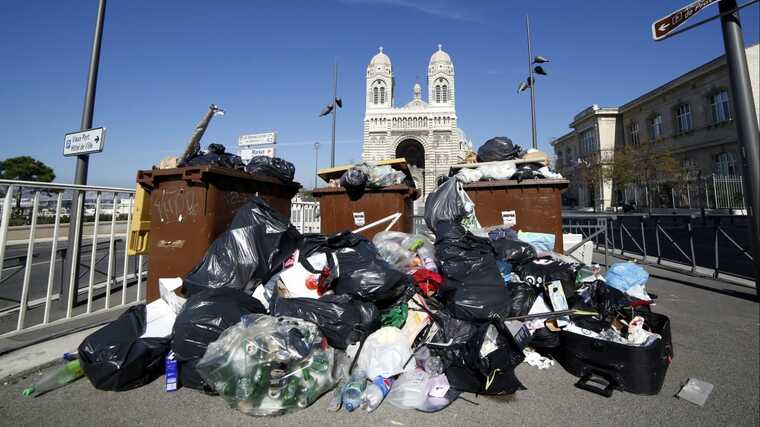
<point>665,25</point>
<point>84,142</point>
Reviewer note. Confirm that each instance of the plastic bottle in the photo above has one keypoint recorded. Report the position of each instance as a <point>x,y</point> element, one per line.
<point>376,392</point>
<point>428,257</point>
<point>352,393</point>
<point>57,378</point>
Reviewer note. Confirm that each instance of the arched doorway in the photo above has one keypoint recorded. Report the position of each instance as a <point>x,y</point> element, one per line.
<point>414,153</point>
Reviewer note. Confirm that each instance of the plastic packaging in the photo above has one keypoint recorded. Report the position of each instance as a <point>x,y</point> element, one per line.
<point>56,378</point>
<point>430,363</point>
<point>523,295</point>
<point>249,253</point>
<point>542,271</point>
<point>473,287</point>
<point>467,175</point>
<point>354,389</point>
<point>497,149</point>
<point>341,319</point>
<point>630,278</point>
<point>383,176</point>
<point>541,241</point>
<point>695,391</point>
<point>410,389</point>
<point>115,358</point>
<point>375,393</point>
<point>390,246</point>
<point>269,365</point>
<point>355,178</point>
<point>450,203</point>
<point>215,155</point>
<point>514,251</point>
<point>528,171</point>
<point>203,318</point>
<point>497,171</point>
<point>384,353</point>
<point>271,166</point>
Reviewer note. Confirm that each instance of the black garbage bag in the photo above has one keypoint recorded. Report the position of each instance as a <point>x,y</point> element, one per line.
<point>249,253</point>
<point>606,300</point>
<point>528,171</point>
<point>271,166</point>
<point>445,204</point>
<point>115,358</point>
<point>354,179</point>
<point>341,319</point>
<point>473,287</point>
<point>497,149</point>
<point>523,296</point>
<point>202,319</point>
<point>215,156</point>
<point>514,251</point>
<point>543,338</point>
<point>542,271</point>
<point>466,369</point>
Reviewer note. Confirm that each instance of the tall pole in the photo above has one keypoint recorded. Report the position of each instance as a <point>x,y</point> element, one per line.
<point>746,121</point>
<point>83,160</point>
<point>334,113</point>
<point>532,82</point>
<point>316,162</point>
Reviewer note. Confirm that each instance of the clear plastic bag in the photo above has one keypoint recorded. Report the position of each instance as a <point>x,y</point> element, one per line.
<point>269,365</point>
<point>410,391</point>
<point>401,249</point>
<point>385,353</point>
<point>497,171</point>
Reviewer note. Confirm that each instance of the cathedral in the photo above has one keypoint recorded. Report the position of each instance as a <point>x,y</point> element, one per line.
<point>425,133</point>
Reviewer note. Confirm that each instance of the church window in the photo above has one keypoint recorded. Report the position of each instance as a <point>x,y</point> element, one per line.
<point>437,93</point>
<point>382,95</point>
<point>374,96</point>
<point>444,93</point>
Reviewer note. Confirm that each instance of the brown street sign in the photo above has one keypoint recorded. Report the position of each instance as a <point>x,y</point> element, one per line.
<point>665,25</point>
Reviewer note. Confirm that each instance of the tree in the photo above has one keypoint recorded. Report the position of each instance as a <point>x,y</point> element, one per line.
<point>647,164</point>
<point>595,170</point>
<point>25,168</point>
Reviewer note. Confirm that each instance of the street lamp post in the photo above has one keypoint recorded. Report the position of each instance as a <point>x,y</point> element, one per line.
<point>530,82</point>
<point>316,162</point>
<point>332,107</point>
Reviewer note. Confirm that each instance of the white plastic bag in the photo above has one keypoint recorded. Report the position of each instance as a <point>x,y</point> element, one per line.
<point>384,353</point>
<point>496,171</point>
<point>410,391</point>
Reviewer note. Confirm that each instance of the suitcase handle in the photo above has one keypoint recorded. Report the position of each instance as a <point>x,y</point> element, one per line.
<point>597,382</point>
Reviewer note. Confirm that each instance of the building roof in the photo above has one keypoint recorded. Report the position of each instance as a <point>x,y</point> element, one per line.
<point>380,58</point>
<point>440,56</point>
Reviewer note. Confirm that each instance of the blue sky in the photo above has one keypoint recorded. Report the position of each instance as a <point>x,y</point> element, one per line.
<point>269,64</point>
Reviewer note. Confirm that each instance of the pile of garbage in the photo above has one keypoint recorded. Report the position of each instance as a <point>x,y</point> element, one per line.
<point>271,319</point>
<point>368,175</point>
<point>506,160</point>
<point>217,155</point>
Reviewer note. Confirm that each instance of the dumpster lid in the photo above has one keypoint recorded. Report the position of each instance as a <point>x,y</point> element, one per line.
<point>398,188</point>
<point>147,178</point>
<point>559,183</point>
<point>336,172</point>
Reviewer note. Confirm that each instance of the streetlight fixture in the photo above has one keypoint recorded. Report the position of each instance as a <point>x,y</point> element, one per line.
<point>530,82</point>
<point>316,162</point>
<point>332,107</point>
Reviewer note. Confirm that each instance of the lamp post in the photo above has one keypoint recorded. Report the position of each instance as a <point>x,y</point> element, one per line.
<point>316,162</point>
<point>529,83</point>
<point>332,107</point>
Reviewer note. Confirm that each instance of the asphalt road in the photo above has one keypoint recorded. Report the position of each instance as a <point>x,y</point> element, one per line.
<point>715,338</point>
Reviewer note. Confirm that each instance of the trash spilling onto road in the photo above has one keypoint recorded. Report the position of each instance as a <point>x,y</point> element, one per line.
<point>274,319</point>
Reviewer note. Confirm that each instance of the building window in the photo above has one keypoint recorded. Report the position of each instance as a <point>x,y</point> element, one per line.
<point>587,141</point>
<point>568,156</point>
<point>719,106</point>
<point>374,95</point>
<point>655,127</point>
<point>683,118</point>
<point>725,164</point>
<point>633,133</point>
<point>437,94</point>
<point>382,95</point>
<point>444,93</point>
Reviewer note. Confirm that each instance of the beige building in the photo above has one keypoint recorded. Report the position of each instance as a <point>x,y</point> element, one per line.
<point>691,115</point>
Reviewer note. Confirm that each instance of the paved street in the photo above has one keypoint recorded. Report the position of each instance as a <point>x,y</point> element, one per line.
<point>715,338</point>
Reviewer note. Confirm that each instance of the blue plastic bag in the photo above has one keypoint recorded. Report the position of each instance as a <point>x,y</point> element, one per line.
<point>541,241</point>
<point>628,277</point>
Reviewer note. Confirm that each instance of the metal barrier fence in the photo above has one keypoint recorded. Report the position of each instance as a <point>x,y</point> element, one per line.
<point>305,216</point>
<point>715,244</point>
<point>31,265</point>
<point>709,192</point>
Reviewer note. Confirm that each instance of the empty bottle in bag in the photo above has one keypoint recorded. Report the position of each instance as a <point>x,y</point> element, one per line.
<point>59,377</point>
<point>352,394</point>
<point>376,392</point>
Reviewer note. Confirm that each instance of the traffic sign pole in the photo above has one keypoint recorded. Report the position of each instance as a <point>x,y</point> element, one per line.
<point>80,176</point>
<point>745,118</point>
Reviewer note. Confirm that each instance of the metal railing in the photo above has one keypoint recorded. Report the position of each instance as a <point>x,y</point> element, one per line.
<point>30,265</point>
<point>692,244</point>
<point>709,192</point>
<point>305,216</point>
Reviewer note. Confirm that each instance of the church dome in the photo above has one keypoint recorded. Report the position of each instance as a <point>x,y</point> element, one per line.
<point>440,56</point>
<point>380,58</point>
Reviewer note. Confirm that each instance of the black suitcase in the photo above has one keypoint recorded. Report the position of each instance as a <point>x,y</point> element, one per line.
<point>604,366</point>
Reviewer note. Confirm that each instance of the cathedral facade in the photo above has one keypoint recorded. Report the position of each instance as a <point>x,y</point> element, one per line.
<point>423,132</point>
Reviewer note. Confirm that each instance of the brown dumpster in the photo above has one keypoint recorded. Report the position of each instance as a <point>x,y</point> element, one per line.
<point>341,211</point>
<point>533,204</point>
<point>191,206</point>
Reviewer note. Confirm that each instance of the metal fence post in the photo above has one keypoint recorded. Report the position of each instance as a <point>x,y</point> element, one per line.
<point>691,243</point>
<point>657,238</point>
<point>643,236</point>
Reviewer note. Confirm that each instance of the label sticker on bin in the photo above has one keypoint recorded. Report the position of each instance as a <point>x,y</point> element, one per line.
<point>509,218</point>
<point>359,218</point>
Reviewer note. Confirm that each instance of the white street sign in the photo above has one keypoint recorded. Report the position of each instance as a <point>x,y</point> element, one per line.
<point>84,142</point>
<point>258,139</point>
<point>246,154</point>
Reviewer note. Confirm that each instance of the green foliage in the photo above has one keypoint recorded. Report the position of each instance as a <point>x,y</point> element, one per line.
<point>26,168</point>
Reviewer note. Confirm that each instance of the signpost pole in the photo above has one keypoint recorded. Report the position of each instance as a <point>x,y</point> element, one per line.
<point>745,118</point>
<point>80,177</point>
<point>334,113</point>
<point>532,83</point>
